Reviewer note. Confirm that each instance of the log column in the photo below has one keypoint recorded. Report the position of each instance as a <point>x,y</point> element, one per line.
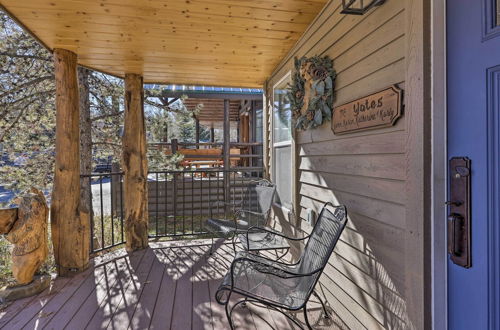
<point>135,165</point>
<point>69,222</point>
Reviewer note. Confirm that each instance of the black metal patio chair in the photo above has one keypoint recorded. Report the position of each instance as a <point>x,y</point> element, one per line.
<point>251,211</point>
<point>281,286</point>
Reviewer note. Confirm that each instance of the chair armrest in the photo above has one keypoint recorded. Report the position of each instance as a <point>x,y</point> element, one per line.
<point>262,229</point>
<point>268,268</point>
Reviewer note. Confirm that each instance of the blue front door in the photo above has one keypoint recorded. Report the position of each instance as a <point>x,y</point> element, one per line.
<point>473,97</point>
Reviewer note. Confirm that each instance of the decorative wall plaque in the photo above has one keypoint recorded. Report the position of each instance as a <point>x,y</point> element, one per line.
<point>377,110</point>
<point>311,91</point>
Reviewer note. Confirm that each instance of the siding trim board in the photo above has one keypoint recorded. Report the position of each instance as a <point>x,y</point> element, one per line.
<point>375,279</point>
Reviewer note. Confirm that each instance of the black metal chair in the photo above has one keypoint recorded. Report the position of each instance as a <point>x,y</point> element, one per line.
<point>281,286</point>
<point>252,211</point>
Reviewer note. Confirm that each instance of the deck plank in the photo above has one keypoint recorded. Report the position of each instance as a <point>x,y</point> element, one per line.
<point>74,303</point>
<point>46,305</point>
<point>202,314</point>
<point>10,310</point>
<point>129,297</point>
<point>164,304</point>
<point>70,307</point>
<point>182,313</point>
<point>91,305</point>
<point>143,311</point>
<point>104,313</point>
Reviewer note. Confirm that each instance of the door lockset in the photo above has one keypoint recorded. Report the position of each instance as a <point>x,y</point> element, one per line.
<point>455,232</point>
<point>459,215</point>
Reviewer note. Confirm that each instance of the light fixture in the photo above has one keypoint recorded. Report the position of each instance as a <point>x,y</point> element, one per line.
<point>359,7</point>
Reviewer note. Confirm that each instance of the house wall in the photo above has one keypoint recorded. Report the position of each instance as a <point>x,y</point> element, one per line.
<point>375,279</point>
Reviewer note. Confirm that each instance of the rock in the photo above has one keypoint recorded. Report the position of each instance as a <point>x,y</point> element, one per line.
<point>29,236</point>
<point>39,283</point>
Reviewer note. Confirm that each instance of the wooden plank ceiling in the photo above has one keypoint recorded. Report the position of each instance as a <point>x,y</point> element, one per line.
<point>212,112</point>
<point>201,42</point>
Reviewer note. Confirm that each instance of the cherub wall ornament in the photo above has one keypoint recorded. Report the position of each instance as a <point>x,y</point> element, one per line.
<point>311,91</point>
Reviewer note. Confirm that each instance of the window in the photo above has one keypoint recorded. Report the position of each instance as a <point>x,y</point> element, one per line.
<point>282,143</point>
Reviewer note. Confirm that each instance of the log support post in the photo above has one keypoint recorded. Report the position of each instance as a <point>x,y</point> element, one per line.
<point>70,221</point>
<point>135,165</point>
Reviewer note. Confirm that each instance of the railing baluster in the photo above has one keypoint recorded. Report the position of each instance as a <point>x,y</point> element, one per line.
<point>92,234</point>
<point>121,206</point>
<point>200,228</point>
<point>192,202</point>
<point>112,210</point>
<point>166,204</point>
<point>183,203</point>
<point>157,199</point>
<point>103,244</point>
<point>174,178</point>
<point>210,191</point>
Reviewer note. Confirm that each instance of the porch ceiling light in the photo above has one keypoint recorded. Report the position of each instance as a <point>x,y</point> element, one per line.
<point>359,7</point>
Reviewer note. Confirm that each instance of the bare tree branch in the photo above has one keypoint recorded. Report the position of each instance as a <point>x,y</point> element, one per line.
<point>25,56</point>
<point>107,143</point>
<point>26,84</point>
<point>50,91</point>
<point>14,122</point>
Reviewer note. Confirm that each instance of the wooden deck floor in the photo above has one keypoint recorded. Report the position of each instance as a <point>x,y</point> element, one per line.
<point>168,286</point>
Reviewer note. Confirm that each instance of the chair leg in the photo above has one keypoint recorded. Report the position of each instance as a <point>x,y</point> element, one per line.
<point>306,319</point>
<point>212,246</point>
<point>228,316</point>
<point>234,244</point>
<point>327,315</point>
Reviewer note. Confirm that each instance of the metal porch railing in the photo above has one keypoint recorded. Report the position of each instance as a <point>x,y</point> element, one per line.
<point>178,202</point>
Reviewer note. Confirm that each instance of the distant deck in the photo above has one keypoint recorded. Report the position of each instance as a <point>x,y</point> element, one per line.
<point>169,286</point>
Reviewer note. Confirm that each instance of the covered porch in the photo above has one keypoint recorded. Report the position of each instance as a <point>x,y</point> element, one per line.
<point>156,270</point>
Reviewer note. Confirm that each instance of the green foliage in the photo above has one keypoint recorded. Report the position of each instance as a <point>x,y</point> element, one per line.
<point>320,71</point>
<point>186,127</point>
<point>158,160</point>
<point>27,113</point>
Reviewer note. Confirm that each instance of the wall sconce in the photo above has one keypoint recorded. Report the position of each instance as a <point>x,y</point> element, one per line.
<point>359,7</point>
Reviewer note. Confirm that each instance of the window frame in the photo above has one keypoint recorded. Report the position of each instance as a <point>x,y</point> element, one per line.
<point>289,143</point>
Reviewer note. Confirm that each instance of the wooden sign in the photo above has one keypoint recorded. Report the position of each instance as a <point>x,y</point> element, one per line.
<point>377,110</point>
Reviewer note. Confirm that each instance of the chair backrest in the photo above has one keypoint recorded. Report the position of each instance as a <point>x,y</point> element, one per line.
<point>325,235</point>
<point>259,196</point>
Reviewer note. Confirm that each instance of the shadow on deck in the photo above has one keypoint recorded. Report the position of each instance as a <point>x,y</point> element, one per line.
<point>171,285</point>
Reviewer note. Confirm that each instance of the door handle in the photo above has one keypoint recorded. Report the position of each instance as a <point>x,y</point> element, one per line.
<point>455,233</point>
<point>459,216</point>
